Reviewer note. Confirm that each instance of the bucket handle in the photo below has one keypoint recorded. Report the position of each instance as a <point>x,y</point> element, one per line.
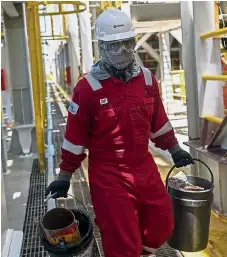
<point>51,196</point>
<point>80,203</point>
<point>194,159</point>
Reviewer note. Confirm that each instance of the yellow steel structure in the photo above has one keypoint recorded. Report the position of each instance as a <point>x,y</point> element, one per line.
<point>213,119</point>
<point>178,80</point>
<point>55,37</point>
<point>36,62</point>
<point>78,7</point>
<point>216,33</point>
<point>214,77</point>
<point>37,79</point>
<point>105,5</point>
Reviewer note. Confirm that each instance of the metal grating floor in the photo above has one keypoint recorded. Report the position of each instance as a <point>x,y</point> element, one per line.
<point>31,246</point>
<point>167,251</point>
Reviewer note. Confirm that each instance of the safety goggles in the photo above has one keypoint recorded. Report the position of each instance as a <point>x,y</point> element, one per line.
<point>117,47</point>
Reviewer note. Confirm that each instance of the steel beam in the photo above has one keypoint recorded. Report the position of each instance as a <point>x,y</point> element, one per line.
<point>189,64</point>
<point>37,79</point>
<point>177,34</point>
<point>151,51</point>
<point>9,9</point>
<point>143,39</point>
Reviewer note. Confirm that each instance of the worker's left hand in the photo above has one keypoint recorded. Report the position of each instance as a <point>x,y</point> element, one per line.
<point>182,158</point>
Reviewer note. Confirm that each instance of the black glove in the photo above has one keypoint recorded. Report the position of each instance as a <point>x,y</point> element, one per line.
<point>58,186</point>
<point>182,158</point>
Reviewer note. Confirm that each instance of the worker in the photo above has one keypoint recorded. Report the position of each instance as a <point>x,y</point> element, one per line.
<point>115,109</point>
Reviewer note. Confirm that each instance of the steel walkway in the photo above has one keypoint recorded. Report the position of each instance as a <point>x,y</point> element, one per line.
<point>79,188</point>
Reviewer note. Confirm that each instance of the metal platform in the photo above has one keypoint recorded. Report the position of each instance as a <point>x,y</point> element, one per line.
<point>31,246</point>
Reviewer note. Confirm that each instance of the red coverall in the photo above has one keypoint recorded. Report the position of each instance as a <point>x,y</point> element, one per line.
<point>115,120</point>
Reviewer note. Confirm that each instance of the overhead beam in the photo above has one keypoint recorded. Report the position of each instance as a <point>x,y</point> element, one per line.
<point>156,26</point>
<point>151,51</point>
<point>142,40</point>
<point>144,24</point>
<point>164,10</point>
<point>177,34</point>
<point>138,59</point>
<point>9,9</point>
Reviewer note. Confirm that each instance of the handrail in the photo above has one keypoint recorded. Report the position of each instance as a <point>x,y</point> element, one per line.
<point>218,32</point>
<point>176,72</point>
<point>55,37</point>
<point>213,119</point>
<point>76,5</point>
<point>214,77</point>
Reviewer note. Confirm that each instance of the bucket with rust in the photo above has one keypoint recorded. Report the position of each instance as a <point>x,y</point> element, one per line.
<point>60,226</point>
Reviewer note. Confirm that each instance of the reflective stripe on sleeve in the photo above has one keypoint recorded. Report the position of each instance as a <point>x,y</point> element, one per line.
<point>166,128</point>
<point>75,149</point>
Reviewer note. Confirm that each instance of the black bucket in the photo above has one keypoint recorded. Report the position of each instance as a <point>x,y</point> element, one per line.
<point>84,247</point>
<point>192,211</point>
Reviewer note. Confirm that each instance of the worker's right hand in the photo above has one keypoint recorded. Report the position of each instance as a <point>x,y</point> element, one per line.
<point>60,187</point>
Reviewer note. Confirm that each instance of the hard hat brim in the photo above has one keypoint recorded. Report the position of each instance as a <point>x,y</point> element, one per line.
<point>118,36</point>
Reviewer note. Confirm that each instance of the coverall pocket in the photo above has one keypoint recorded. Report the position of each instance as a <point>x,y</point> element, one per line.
<point>108,113</point>
<point>149,104</point>
<point>107,119</point>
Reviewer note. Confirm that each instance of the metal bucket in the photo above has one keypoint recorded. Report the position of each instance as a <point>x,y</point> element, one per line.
<point>192,211</point>
<point>85,247</point>
<point>60,226</point>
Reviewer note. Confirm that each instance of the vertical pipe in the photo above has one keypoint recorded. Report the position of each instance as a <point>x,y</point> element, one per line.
<point>189,64</point>
<point>52,26</point>
<point>32,16</point>
<point>50,146</point>
<point>27,57</point>
<point>40,66</point>
<point>3,149</point>
<point>95,42</point>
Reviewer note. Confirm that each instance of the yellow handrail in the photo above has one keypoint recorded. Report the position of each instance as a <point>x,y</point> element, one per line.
<point>105,5</point>
<point>213,119</point>
<point>214,77</point>
<point>176,72</point>
<point>216,33</point>
<point>55,37</point>
<point>61,11</point>
<point>76,5</point>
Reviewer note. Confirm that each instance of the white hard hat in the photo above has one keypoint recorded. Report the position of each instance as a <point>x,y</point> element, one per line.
<point>113,25</point>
